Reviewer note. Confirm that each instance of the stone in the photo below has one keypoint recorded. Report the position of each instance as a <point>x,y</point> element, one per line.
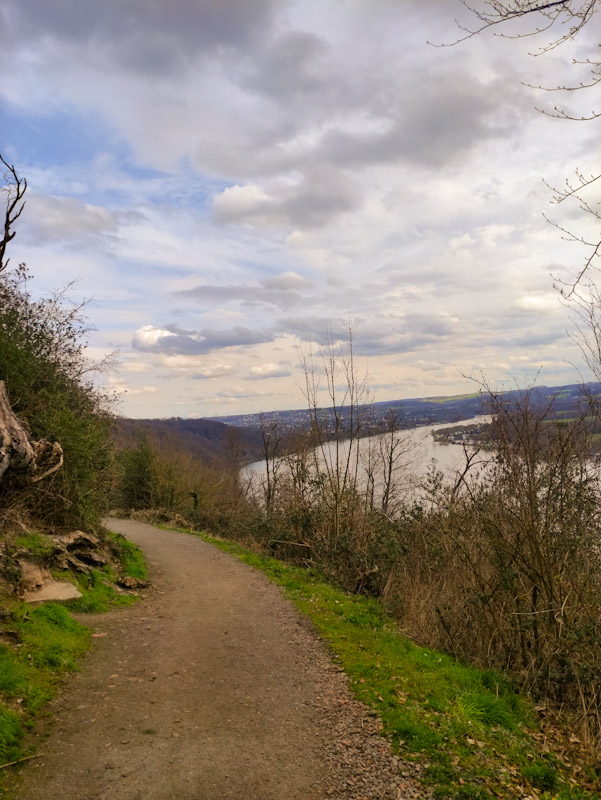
<point>77,540</point>
<point>66,561</point>
<point>53,590</point>
<point>33,574</point>
<point>132,583</point>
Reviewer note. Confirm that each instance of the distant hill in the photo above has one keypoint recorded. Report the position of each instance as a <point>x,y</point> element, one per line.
<point>565,400</point>
<point>209,440</point>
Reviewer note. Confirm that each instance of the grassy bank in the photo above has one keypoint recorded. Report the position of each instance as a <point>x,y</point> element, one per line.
<point>39,645</point>
<point>478,737</point>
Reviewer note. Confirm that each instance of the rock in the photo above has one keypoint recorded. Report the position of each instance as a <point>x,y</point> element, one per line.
<point>132,583</point>
<point>90,557</point>
<point>77,550</point>
<point>67,561</point>
<point>34,574</point>
<point>53,590</point>
<point>77,540</point>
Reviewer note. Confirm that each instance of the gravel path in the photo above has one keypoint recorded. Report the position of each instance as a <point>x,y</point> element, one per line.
<point>213,687</point>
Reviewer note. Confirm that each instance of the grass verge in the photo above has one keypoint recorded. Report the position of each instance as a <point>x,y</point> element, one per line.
<point>479,738</point>
<point>131,557</point>
<point>38,645</point>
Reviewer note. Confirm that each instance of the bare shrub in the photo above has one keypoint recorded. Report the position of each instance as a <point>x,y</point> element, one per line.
<point>504,568</point>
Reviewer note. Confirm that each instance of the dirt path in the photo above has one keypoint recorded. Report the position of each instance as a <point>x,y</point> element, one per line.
<point>212,688</point>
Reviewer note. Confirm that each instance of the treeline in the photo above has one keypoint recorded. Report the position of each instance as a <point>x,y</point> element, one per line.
<point>209,440</point>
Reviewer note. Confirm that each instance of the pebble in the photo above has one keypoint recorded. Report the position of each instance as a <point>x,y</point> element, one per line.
<point>360,762</point>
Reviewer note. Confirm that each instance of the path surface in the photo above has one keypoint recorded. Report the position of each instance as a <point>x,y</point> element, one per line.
<point>211,688</point>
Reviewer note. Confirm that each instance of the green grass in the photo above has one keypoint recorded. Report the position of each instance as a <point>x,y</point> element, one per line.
<point>474,732</point>
<point>50,642</point>
<point>131,556</point>
<point>42,643</point>
<point>99,593</point>
<point>38,544</point>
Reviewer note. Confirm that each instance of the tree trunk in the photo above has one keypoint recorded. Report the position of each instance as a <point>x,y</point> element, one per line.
<point>18,453</point>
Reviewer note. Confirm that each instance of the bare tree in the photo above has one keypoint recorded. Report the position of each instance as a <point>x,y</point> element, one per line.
<point>14,188</point>
<point>396,451</point>
<point>337,428</point>
<point>271,439</point>
<point>561,21</point>
<point>549,15</point>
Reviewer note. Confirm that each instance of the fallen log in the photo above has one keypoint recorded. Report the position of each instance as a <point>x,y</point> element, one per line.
<point>18,452</point>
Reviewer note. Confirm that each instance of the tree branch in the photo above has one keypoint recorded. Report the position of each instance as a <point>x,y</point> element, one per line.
<point>15,187</point>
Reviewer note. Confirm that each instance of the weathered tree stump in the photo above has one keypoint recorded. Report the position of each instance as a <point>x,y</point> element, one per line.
<point>18,453</point>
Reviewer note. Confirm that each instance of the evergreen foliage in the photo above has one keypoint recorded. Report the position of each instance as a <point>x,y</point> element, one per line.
<point>137,475</point>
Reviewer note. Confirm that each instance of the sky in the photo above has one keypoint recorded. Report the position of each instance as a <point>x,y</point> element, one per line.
<point>227,181</point>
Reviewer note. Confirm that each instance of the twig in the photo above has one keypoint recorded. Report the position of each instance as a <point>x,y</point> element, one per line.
<point>19,760</point>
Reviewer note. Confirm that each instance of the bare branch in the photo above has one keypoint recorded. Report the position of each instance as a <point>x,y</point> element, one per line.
<point>573,15</point>
<point>15,188</point>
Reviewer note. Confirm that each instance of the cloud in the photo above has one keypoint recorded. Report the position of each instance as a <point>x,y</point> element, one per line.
<point>195,367</point>
<point>242,202</point>
<point>428,128</point>
<point>217,371</point>
<point>253,170</point>
<point>538,303</point>
<point>145,37</point>
<point>267,371</point>
<point>280,291</point>
<point>65,219</point>
<point>290,68</point>
<point>286,281</point>
<point>173,340</point>
<point>115,385</point>
<point>430,366</point>
<point>232,395</point>
<point>149,339</point>
<point>378,335</point>
<point>134,366</point>
<point>320,194</point>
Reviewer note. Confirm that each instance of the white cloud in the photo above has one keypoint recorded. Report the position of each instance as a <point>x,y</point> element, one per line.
<point>538,303</point>
<point>241,202</point>
<point>64,219</point>
<point>177,341</point>
<point>195,366</point>
<point>287,281</point>
<point>150,338</point>
<point>134,366</point>
<point>120,388</point>
<point>270,370</point>
<point>313,199</point>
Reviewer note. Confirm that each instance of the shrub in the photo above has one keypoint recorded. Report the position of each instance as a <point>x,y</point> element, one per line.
<point>504,568</point>
<point>49,384</point>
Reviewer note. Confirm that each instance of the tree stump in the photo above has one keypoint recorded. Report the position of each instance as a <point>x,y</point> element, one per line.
<point>18,453</point>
